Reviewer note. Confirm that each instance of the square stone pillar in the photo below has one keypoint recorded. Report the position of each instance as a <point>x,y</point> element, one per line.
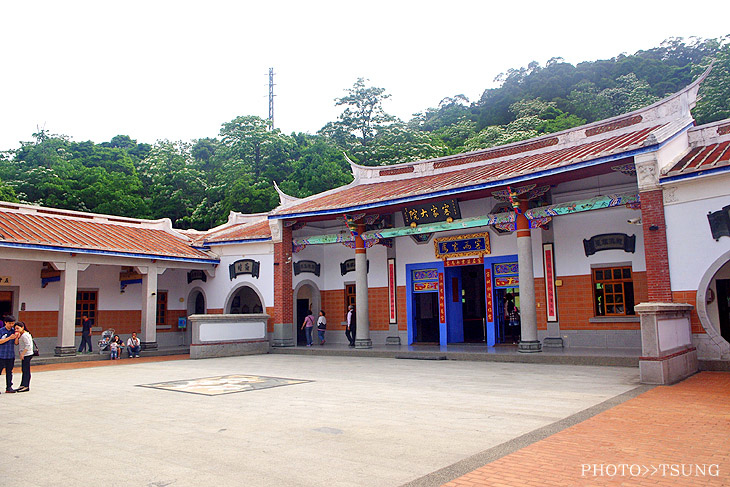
<point>666,343</point>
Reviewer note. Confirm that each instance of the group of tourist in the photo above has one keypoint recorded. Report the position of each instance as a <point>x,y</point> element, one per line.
<point>15,333</point>
<point>308,326</point>
<point>117,345</point>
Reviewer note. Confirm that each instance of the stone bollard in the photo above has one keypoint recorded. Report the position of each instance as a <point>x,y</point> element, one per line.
<point>666,343</point>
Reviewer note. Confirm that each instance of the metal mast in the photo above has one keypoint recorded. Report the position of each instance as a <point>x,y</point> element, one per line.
<point>271,97</point>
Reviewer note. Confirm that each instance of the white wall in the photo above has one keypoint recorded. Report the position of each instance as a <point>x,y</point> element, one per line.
<point>690,244</point>
<point>570,230</point>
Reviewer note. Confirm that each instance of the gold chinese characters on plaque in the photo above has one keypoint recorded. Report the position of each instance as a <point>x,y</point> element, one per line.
<point>473,244</point>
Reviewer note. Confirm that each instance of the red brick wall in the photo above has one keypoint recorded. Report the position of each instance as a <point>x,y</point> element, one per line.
<point>215,311</point>
<point>283,293</point>
<point>655,247</point>
<point>402,297</point>
<point>541,303</point>
<point>270,322</point>
<point>690,297</point>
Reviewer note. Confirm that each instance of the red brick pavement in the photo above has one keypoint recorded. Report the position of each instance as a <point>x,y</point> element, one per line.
<point>667,428</point>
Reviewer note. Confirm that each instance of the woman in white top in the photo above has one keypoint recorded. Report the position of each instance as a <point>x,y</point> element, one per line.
<point>321,326</point>
<point>25,349</point>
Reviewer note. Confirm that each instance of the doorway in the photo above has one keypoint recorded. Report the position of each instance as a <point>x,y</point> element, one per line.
<point>505,334</point>
<point>426,317</point>
<point>473,303</point>
<point>302,309</point>
<point>723,307</point>
<point>6,303</point>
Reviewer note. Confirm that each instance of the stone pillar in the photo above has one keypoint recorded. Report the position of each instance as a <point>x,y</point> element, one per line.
<point>655,230</point>
<point>66,336</point>
<point>149,307</point>
<point>528,314</point>
<point>284,335</point>
<point>666,343</point>
<point>362,332</point>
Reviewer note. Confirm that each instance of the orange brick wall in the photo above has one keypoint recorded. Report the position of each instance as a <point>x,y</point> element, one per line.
<point>333,303</point>
<point>575,303</point>
<point>541,302</point>
<point>689,297</point>
<point>402,315</point>
<point>40,323</point>
<point>270,323</point>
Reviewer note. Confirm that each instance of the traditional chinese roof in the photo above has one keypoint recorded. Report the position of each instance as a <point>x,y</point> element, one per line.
<point>38,228</point>
<point>549,159</point>
<point>709,152</point>
<point>241,232</point>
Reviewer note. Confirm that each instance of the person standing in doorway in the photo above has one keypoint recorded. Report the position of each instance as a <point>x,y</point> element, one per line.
<point>308,326</point>
<point>351,325</point>
<point>7,351</point>
<point>512,316</point>
<point>86,325</point>
<point>24,340</point>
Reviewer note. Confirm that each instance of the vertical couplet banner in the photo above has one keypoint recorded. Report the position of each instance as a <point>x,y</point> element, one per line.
<point>548,260</point>
<point>488,291</point>
<point>392,291</point>
<point>442,299</point>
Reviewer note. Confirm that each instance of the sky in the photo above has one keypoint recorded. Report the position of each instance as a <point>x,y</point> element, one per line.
<point>178,70</point>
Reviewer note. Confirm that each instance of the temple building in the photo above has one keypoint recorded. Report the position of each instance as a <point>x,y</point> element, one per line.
<point>579,229</point>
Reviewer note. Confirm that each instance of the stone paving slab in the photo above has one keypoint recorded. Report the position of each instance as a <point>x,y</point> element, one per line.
<point>359,422</point>
<point>675,435</point>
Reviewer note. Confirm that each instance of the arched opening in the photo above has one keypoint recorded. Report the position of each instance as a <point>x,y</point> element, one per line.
<point>196,303</point>
<point>713,305</point>
<point>245,301</point>
<point>306,298</point>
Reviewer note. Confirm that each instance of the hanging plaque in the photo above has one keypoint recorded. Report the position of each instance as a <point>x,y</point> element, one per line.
<point>720,222</point>
<point>197,275</point>
<point>349,266</point>
<point>431,212</point>
<point>609,241</point>
<point>306,266</point>
<point>462,245</point>
<point>244,266</point>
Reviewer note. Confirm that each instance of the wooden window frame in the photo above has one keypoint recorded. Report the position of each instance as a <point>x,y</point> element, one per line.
<point>161,310</point>
<point>613,288</point>
<point>85,305</point>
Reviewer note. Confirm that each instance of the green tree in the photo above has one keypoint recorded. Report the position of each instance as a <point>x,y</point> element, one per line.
<point>714,102</point>
<point>317,166</point>
<point>360,122</point>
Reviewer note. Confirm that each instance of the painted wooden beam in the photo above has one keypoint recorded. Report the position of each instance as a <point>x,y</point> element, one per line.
<point>596,203</point>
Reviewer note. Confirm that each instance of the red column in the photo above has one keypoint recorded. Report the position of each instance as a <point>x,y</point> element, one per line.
<point>655,246</point>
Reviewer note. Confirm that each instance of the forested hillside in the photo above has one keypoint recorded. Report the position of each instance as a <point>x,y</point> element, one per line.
<point>197,183</point>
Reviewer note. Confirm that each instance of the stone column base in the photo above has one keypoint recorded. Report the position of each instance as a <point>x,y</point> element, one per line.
<point>64,351</point>
<point>532,346</point>
<point>363,343</point>
<point>148,345</point>
<point>283,335</point>
<point>553,342</point>
<point>668,369</point>
<point>392,340</point>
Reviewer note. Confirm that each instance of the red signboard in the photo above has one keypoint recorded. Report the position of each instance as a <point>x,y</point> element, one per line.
<point>421,287</point>
<point>392,291</point>
<point>467,261</point>
<point>488,290</point>
<point>513,281</point>
<point>442,299</point>
<point>548,259</point>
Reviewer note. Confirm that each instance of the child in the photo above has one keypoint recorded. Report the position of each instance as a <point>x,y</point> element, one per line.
<point>114,347</point>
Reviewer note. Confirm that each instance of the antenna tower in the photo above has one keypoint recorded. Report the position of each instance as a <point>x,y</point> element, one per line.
<point>271,97</point>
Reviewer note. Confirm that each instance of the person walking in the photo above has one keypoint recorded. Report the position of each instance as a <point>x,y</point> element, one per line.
<point>351,325</point>
<point>308,325</point>
<point>24,340</point>
<point>86,324</point>
<point>512,316</point>
<point>7,351</point>
<point>321,326</point>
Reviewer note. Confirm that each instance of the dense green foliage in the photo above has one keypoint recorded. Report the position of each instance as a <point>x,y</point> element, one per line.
<point>196,184</point>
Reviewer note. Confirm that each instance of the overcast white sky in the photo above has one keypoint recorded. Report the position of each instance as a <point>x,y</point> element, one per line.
<point>156,69</point>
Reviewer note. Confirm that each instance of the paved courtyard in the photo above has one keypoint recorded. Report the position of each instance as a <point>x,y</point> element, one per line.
<point>345,421</point>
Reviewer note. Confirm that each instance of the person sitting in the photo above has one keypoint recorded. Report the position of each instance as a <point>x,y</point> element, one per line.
<point>116,347</point>
<point>133,346</point>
